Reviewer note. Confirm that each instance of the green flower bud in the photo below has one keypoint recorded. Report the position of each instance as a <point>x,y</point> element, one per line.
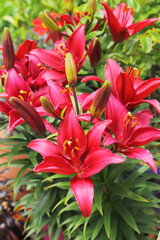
<point>49,22</point>
<point>70,69</point>
<point>47,105</point>
<point>101,99</point>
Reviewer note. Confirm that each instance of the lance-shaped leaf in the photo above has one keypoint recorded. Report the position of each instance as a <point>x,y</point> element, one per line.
<point>29,114</point>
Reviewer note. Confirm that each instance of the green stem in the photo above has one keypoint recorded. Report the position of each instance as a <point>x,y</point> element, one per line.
<point>112,47</point>
<point>75,99</point>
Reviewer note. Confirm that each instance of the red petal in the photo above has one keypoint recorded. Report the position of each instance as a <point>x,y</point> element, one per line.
<point>97,159</point>
<point>143,155</point>
<point>84,193</point>
<point>25,48</point>
<point>112,71</point>
<point>14,119</point>
<point>147,87</point>
<point>4,108</point>
<point>70,129</point>
<point>55,164</point>
<point>76,43</point>
<point>123,14</point>
<point>136,27</point>
<point>113,23</point>
<point>152,102</point>
<point>92,78</point>
<point>49,126</point>
<point>124,86</point>
<point>94,135</point>
<point>108,139</point>
<point>45,147</point>
<point>116,111</point>
<point>50,58</point>
<point>144,117</point>
<point>143,135</point>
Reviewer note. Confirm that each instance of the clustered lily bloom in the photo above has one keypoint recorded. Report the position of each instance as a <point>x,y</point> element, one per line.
<point>37,82</point>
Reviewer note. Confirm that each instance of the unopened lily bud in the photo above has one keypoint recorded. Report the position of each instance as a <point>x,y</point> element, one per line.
<point>49,22</point>
<point>47,105</point>
<point>69,6</point>
<point>29,114</point>
<point>101,99</point>
<point>71,71</point>
<point>8,50</point>
<point>92,7</point>
<point>94,52</point>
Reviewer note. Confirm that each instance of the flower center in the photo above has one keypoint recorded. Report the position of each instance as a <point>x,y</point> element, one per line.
<point>133,72</point>
<point>24,94</point>
<point>70,147</point>
<point>67,89</point>
<point>61,49</point>
<point>130,120</point>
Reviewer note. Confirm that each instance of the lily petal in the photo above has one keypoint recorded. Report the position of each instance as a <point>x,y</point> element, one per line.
<point>45,147</point>
<point>143,155</point>
<point>97,159</point>
<point>76,43</point>
<point>143,135</point>
<point>70,130</point>
<point>94,135</point>
<point>55,164</point>
<point>83,191</point>
<point>112,70</point>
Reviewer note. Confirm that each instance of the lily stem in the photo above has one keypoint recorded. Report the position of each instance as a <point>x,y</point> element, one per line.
<point>112,47</point>
<point>75,99</point>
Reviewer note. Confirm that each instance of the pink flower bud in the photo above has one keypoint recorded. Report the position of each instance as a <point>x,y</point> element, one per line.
<point>101,99</point>
<point>8,50</point>
<point>94,52</point>
<point>29,114</point>
<point>70,69</point>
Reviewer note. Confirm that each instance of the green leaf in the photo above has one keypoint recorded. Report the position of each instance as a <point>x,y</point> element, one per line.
<point>97,228</point>
<point>113,229</point>
<point>70,207</point>
<point>62,185</point>
<point>99,188</point>
<point>127,216</point>
<point>123,191</point>
<point>107,218</point>
<point>146,43</point>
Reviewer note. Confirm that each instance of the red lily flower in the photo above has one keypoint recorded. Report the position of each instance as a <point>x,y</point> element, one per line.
<point>120,21</point>
<point>130,131</point>
<point>55,58</point>
<point>17,87</point>
<point>76,153</point>
<point>128,86</point>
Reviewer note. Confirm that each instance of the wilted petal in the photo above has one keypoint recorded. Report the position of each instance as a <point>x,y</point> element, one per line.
<point>55,164</point>
<point>84,193</point>
<point>45,147</point>
<point>143,155</point>
<point>97,159</point>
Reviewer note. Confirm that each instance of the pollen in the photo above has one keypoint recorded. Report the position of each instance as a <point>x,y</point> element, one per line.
<point>71,147</point>
<point>67,88</point>
<point>130,119</point>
